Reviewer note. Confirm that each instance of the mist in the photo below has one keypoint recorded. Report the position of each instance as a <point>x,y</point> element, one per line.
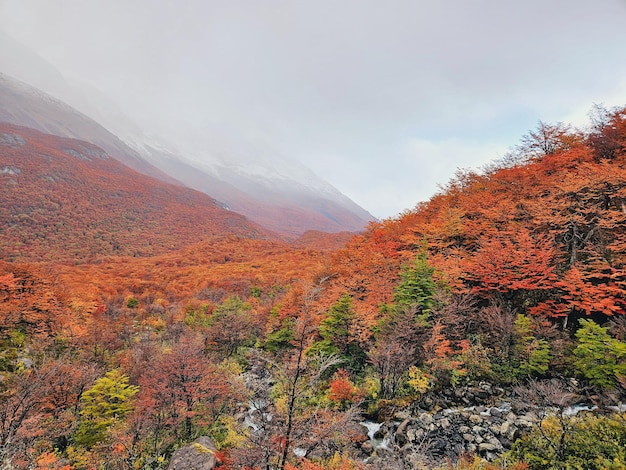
<point>385,100</point>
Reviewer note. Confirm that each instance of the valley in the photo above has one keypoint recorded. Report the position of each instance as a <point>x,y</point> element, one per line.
<point>139,316</point>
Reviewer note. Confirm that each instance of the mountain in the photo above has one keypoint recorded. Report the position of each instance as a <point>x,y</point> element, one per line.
<point>24,105</point>
<point>68,199</point>
<point>277,192</point>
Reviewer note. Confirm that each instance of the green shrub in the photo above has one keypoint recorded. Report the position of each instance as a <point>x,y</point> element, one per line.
<point>132,302</point>
<point>591,442</point>
<point>534,354</point>
<point>599,357</point>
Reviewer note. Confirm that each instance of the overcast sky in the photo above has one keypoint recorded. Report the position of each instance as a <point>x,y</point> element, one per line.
<point>384,99</point>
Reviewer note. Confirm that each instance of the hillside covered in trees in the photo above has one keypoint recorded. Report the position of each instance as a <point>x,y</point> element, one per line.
<point>461,334</point>
<point>65,199</point>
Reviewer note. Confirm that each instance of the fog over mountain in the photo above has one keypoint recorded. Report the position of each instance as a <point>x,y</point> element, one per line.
<point>277,192</point>
<point>383,101</point>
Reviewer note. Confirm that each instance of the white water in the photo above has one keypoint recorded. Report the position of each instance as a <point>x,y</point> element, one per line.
<point>256,406</point>
<point>372,429</point>
<point>575,409</point>
<point>621,408</point>
<point>504,408</point>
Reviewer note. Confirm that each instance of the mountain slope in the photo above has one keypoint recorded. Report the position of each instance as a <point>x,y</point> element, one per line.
<point>269,194</point>
<point>68,199</point>
<point>544,234</point>
<point>24,105</point>
<point>279,193</point>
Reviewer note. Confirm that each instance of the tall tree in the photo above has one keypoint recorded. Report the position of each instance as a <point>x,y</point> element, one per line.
<point>337,332</point>
<point>182,390</point>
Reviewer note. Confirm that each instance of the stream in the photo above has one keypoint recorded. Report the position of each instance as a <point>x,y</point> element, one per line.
<point>372,430</point>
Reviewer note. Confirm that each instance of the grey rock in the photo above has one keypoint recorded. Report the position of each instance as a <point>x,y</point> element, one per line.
<point>478,430</point>
<point>494,441</point>
<point>512,433</point>
<point>504,428</point>
<point>402,415</point>
<point>10,170</point>
<point>487,446</point>
<point>524,423</point>
<point>439,444</point>
<point>485,386</point>
<point>367,447</point>
<point>507,444</point>
<point>12,140</point>
<point>426,419</point>
<point>475,419</point>
<point>530,416</point>
<point>490,456</point>
<point>199,455</point>
<point>401,436</point>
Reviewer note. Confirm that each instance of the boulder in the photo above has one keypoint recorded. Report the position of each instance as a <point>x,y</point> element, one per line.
<point>512,433</point>
<point>415,435</point>
<point>425,418</point>
<point>487,446</point>
<point>402,415</point>
<point>367,447</point>
<point>475,419</point>
<point>199,455</point>
<point>401,436</point>
<point>504,429</point>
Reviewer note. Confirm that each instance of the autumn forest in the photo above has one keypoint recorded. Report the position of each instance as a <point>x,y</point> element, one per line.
<point>143,326</point>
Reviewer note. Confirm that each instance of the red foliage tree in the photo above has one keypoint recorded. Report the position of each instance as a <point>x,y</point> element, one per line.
<point>341,390</point>
<point>179,390</point>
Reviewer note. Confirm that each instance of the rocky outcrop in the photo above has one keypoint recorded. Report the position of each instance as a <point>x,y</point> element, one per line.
<point>470,420</point>
<point>446,434</point>
<point>451,432</point>
<point>199,455</point>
